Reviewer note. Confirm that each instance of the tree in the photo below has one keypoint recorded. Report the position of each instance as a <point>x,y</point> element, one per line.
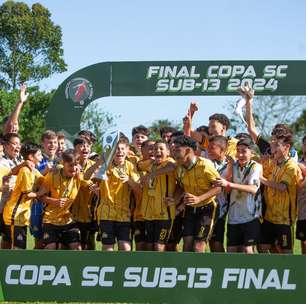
<point>299,127</point>
<point>270,110</point>
<point>33,114</point>
<point>30,44</point>
<point>97,121</point>
<point>161,123</point>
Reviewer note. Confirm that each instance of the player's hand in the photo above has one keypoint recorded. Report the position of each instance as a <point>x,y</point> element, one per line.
<point>61,202</point>
<point>124,178</point>
<point>247,92</point>
<point>169,201</point>
<point>220,182</point>
<point>190,199</point>
<point>95,189</point>
<point>144,180</point>
<point>23,95</point>
<point>193,108</point>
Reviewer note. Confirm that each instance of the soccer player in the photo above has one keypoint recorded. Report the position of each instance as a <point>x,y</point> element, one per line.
<point>218,125</point>
<point>139,135</point>
<point>82,206</point>
<point>281,194</point>
<point>114,211</point>
<point>216,153</point>
<point>11,163</point>
<point>60,188</point>
<point>16,213</point>
<point>166,133</point>
<point>301,223</point>
<point>49,161</point>
<point>157,214</point>
<point>196,176</point>
<point>138,225</point>
<point>243,228</point>
<point>61,145</point>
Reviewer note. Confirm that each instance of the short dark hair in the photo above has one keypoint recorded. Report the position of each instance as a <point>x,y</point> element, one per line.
<point>164,130</point>
<point>304,138</point>
<point>220,140</point>
<point>202,129</point>
<point>223,119</point>
<point>246,142</point>
<point>185,141</point>
<point>29,148</point>
<point>243,135</point>
<point>89,135</point>
<point>8,136</point>
<point>283,127</point>
<point>146,142</point>
<point>177,133</point>
<point>284,134</point>
<point>160,141</point>
<point>123,140</point>
<point>81,141</point>
<point>140,129</point>
<point>69,156</point>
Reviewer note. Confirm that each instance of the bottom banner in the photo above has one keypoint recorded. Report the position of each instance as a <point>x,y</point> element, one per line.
<point>148,277</point>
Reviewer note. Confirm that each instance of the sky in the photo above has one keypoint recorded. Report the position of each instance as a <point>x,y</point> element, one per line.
<point>98,30</point>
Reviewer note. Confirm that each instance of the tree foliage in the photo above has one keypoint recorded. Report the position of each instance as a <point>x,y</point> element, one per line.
<point>30,44</point>
<point>97,121</point>
<point>270,110</point>
<point>299,126</point>
<point>161,123</point>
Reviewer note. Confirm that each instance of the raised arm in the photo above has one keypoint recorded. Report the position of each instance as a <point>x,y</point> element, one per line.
<point>249,95</point>
<point>12,124</point>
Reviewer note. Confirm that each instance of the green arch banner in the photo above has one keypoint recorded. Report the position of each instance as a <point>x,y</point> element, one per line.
<point>165,78</point>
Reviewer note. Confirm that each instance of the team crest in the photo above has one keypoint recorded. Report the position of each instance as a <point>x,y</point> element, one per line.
<point>78,90</point>
<point>104,235</point>
<point>19,237</point>
<point>46,236</point>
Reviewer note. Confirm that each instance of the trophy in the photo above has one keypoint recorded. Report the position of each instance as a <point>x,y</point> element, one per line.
<point>109,147</point>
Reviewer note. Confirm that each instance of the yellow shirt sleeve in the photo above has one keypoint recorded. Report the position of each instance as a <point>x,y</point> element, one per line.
<point>25,180</point>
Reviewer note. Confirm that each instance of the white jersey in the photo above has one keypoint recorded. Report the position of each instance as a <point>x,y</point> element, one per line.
<point>222,197</point>
<point>8,163</point>
<point>244,206</point>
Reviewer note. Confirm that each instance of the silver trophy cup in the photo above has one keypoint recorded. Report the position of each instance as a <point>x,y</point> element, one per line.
<point>109,146</point>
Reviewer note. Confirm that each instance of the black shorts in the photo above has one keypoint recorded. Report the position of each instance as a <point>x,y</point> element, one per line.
<point>63,234</point>
<point>276,234</point>
<point>218,232</point>
<point>86,229</point>
<point>138,231</point>
<point>246,234</point>
<point>301,230</point>
<point>199,222</point>
<point>112,231</point>
<point>177,230</point>
<point>16,235</point>
<point>157,231</point>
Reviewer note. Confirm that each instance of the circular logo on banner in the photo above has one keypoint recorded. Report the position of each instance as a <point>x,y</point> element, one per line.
<point>78,90</point>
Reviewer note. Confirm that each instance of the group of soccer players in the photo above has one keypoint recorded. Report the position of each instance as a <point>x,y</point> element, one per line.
<point>201,187</point>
